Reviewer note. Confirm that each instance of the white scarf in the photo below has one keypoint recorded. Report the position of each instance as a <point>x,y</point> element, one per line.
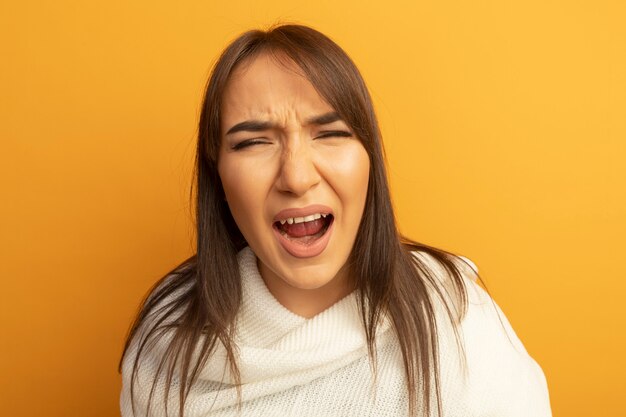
<point>277,350</point>
<point>291,365</point>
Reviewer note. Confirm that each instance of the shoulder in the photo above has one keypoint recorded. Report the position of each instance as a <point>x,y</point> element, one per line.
<point>449,292</point>
<point>467,268</point>
<point>149,340</point>
<point>502,374</point>
<point>500,378</point>
<point>160,312</point>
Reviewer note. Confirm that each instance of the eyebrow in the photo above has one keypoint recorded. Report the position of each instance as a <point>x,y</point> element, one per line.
<point>259,125</point>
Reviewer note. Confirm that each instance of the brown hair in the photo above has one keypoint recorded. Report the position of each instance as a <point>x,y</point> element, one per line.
<point>390,279</point>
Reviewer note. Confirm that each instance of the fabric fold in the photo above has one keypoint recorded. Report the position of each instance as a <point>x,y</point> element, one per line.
<point>279,342</point>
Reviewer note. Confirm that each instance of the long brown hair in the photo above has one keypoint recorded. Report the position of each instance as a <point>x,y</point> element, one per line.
<point>204,292</point>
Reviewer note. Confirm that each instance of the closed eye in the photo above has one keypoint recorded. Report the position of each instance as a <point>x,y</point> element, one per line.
<point>249,142</point>
<point>334,133</point>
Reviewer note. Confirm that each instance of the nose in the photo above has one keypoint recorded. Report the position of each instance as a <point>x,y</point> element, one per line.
<point>297,172</point>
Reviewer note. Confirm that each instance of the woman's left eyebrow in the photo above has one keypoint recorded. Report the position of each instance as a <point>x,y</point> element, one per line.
<point>324,119</point>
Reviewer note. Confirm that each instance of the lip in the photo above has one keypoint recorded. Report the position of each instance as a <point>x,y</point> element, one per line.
<point>302,212</point>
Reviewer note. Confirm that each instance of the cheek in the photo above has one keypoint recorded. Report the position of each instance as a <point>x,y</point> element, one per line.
<point>239,188</point>
<point>358,169</point>
<point>349,176</point>
<point>246,183</point>
<point>360,184</point>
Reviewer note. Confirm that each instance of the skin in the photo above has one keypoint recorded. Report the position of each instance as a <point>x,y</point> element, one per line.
<point>291,164</point>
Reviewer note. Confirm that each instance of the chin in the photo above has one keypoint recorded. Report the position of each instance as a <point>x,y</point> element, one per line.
<point>309,278</point>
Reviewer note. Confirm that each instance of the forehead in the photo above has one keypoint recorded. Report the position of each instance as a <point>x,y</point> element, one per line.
<point>271,87</point>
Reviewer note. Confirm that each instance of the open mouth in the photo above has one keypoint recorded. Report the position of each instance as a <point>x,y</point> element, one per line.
<point>304,230</point>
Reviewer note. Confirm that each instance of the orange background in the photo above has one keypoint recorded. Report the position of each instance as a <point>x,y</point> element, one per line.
<point>504,124</point>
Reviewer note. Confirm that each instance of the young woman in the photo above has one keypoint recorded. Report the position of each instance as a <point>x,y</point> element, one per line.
<point>302,298</point>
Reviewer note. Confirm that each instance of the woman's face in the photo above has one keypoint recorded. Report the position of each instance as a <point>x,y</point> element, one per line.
<point>295,178</point>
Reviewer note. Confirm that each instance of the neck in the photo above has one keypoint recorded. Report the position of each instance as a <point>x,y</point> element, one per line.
<point>303,302</point>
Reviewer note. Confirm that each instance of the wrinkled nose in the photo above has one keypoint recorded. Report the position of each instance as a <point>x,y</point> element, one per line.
<point>297,173</point>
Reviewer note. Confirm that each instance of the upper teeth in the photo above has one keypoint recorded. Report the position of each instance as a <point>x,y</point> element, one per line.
<point>310,218</point>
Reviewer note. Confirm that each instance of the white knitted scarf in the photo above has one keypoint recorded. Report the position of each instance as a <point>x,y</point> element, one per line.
<point>291,365</point>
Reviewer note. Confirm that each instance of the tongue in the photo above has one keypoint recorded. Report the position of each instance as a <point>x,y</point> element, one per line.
<point>303,229</point>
